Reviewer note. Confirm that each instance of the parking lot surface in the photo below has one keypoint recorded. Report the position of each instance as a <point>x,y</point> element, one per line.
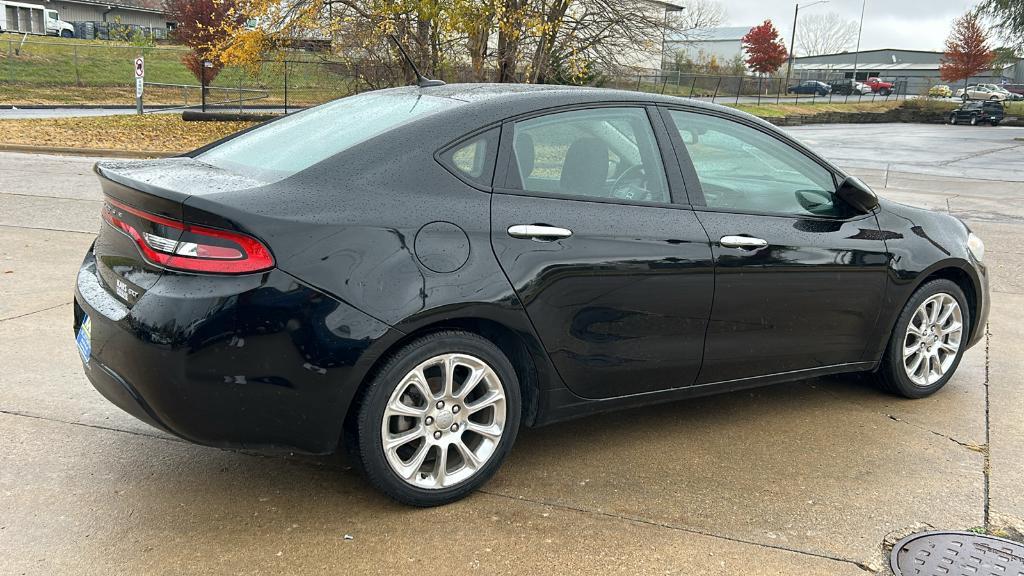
<point>805,478</point>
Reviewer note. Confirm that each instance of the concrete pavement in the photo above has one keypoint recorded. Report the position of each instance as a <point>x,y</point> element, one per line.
<point>804,478</point>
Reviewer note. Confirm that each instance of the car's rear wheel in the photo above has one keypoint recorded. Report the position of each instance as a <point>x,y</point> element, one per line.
<point>974,119</point>
<point>438,419</point>
<point>952,118</point>
<point>928,341</point>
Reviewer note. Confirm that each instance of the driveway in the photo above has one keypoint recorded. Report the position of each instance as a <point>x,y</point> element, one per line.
<point>804,478</point>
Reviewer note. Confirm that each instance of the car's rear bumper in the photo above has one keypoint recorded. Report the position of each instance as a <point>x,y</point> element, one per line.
<point>259,361</point>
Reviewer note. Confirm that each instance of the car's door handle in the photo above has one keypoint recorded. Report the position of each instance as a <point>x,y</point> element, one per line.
<point>743,242</point>
<point>538,232</point>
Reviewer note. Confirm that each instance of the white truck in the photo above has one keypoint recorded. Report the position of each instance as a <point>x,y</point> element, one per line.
<point>23,18</point>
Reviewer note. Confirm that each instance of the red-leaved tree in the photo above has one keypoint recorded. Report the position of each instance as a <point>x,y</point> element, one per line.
<point>967,51</point>
<point>766,52</point>
<point>201,25</point>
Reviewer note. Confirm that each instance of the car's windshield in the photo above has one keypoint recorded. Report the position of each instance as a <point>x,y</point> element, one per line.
<point>286,146</point>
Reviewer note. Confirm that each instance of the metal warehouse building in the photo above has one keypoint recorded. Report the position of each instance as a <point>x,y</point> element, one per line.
<point>144,13</point>
<point>919,69</point>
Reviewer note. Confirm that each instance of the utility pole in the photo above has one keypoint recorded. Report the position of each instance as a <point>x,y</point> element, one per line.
<point>856,55</point>
<point>792,39</point>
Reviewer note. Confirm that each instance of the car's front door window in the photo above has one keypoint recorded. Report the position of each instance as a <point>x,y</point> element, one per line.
<point>608,153</point>
<point>744,169</point>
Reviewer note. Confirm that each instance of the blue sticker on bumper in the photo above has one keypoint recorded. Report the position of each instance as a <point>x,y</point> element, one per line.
<point>84,339</point>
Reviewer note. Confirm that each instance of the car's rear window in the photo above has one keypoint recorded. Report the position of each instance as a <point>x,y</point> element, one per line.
<point>286,146</point>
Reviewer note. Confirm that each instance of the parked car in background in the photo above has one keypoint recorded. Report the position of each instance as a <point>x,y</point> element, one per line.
<point>414,273</point>
<point>22,18</point>
<point>1017,89</point>
<point>879,86</point>
<point>810,87</point>
<point>940,91</point>
<point>995,88</point>
<point>973,113</point>
<point>1010,94</point>
<point>849,87</point>
<point>981,92</point>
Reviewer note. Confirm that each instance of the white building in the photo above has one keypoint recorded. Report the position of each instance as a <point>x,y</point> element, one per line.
<point>145,13</point>
<point>722,44</point>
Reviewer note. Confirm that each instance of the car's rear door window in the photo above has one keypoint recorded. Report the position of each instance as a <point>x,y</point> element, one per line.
<point>286,146</point>
<point>603,153</point>
<point>741,168</point>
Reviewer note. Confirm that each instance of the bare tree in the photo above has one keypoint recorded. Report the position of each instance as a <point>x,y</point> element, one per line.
<point>515,40</point>
<point>612,34</point>
<point>826,33</point>
<point>699,17</point>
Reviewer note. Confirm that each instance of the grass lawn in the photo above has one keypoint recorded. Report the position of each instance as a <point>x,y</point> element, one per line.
<point>147,133</point>
<point>71,71</point>
<point>810,109</point>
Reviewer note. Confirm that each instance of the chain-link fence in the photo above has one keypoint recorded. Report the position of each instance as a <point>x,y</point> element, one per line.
<point>50,72</point>
<point>763,90</point>
<point>59,73</point>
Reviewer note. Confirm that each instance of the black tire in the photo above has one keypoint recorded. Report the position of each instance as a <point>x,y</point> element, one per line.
<point>952,118</point>
<point>974,119</point>
<point>884,92</point>
<point>892,376</point>
<point>67,34</point>
<point>368,444</point>
<point>995,123</point>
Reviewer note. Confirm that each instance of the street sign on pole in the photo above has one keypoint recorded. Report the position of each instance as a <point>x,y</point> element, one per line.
<point>140,82</point>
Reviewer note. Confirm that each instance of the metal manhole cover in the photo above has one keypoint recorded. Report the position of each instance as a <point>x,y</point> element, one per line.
<point>955,554</point>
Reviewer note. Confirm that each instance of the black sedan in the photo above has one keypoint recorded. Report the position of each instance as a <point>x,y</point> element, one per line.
<point>415,273</point>
<point>810,87</point>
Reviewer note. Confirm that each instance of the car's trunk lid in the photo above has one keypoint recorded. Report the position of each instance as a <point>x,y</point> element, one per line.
<point>147,198</point>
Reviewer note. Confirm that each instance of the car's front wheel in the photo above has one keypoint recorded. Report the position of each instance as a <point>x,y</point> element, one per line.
<point>952,118</point>
<point>974,120</point>
<point>928,341</point>
<point>438,419</point>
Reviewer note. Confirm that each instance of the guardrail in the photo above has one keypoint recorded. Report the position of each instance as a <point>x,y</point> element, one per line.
<point>263,95</point>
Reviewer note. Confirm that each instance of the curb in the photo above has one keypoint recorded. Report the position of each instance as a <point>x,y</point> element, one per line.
<point>105,152</point>
<point>197,116</point>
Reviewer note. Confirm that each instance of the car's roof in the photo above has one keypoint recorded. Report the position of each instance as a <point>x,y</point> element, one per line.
<point>500,101</point>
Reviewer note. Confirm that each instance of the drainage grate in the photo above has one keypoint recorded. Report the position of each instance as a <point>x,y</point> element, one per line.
<point>955,554</point>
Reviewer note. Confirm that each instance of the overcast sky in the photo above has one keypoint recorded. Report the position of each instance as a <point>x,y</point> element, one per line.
<point>911,24</point>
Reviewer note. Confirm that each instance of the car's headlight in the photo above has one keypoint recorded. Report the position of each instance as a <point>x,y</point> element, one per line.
<point>976,246</point>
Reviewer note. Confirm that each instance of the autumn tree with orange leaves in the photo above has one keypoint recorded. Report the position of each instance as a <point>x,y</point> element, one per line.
<point>766,51</point>
<point>967,51</point>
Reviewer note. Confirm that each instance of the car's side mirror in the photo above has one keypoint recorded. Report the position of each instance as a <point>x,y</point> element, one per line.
<point>857,194</point>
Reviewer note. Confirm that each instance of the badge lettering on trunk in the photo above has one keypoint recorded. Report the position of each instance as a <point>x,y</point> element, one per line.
<point>125,293</point>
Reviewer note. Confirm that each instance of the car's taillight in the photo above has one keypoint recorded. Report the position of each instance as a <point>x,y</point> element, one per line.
<point>182,246</point>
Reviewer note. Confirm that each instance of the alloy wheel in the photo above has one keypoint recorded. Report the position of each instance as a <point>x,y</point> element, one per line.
<point>443,421</point>
<point>933,339</point>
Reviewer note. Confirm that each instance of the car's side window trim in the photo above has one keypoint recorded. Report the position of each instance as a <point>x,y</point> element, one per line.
<point>440,152</point>
<point>506,171</point>
<point>679,194</point>
<point>682,160</point>
<point>693,182</point>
